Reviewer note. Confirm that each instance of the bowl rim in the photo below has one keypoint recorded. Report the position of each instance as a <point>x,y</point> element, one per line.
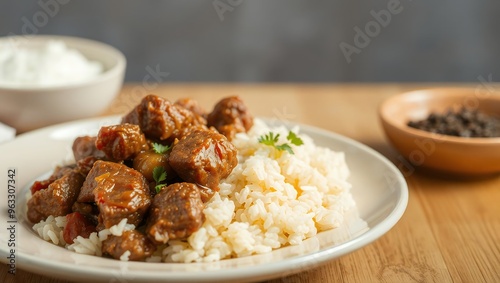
<point>438,91</point>
<point>115,70</point>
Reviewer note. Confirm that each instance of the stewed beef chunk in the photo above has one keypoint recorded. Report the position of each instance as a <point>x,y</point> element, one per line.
<point>86,153</point>
<point>86,194</point>
<point>57,199</point>
<point>160,119</point>
<point>133,241</point>
<point>84,165</point>
<point>121,142</point>
<point>119,192</point>
<point>230,116</point>
<point>59,171</point>
<point>184,132</point>
<point>176,213</point>
<point>193,106</point>
<point>89,210</point>
<point>204,158</point>
<point>84,147</point>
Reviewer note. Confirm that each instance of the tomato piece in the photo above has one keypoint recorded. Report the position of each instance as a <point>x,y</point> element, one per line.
<point>40,185</point>
<point>77,225</point>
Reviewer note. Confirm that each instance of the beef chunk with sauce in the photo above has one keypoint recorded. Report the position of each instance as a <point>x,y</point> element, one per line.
<point>159,119</point>
<point>176,213</point>
<point>57,199</point>
<point>230,116</point>
<point>84,147</point>
<point>58,173</point>
<point>119,192</point>
<point>121,142</point>
<point>139,246</point>
<point>89,210</point>
<point>86,153</point>
<point>193,106</point>
<point>184,132</point>
<point>203,158</point>
<point>86,194</point>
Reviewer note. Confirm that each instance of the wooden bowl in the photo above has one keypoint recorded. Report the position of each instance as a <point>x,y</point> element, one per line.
<point>451,154</point>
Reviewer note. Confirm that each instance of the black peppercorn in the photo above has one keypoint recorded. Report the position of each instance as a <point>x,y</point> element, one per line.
<point>462,123</point>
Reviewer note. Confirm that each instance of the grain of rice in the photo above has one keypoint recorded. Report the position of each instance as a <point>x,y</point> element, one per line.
<point>87,243</point>
<point>125,256</point>
<point>103,234</point>
<point>80,248</point>
<point>197,241</point>
<point>212,255</point>
<point>60,221</point>
<point>53,237</point>
<point>118,229</point>
<point>45,231</point>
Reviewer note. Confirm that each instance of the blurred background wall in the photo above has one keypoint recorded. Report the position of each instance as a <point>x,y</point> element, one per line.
<point>280,40</point>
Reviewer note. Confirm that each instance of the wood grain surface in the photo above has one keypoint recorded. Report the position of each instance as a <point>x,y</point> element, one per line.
<point>450,231</point>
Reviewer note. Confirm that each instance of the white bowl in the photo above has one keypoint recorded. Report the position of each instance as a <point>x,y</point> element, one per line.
<point>29,107</point>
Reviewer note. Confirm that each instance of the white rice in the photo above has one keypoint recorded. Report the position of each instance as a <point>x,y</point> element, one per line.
<point>271,199</point>
<point>93,244</point>
<point>54,226</point>
<point>50,64</point>
<point>51,230</point>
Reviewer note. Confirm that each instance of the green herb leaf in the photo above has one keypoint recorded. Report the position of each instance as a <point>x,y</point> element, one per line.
<point>284,146</point>
<point>271,139</point>
<point>160,148</point>
<point>294,139</point>
<point>159,187</point>
<point>159,175</point>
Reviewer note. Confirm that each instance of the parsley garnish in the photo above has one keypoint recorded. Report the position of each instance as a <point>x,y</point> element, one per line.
<point>159,175</point>
<point>294,139</point>
<point>269,139</point>
<point>160,148</point>
<point>272,138</point>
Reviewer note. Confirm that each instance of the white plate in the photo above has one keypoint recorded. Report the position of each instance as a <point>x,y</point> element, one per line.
<point>379,190</point>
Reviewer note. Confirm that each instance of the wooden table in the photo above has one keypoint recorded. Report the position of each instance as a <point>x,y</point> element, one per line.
<point>450,231</point>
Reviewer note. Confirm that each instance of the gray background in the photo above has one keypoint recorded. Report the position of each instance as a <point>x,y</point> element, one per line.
<point>278,41</point>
